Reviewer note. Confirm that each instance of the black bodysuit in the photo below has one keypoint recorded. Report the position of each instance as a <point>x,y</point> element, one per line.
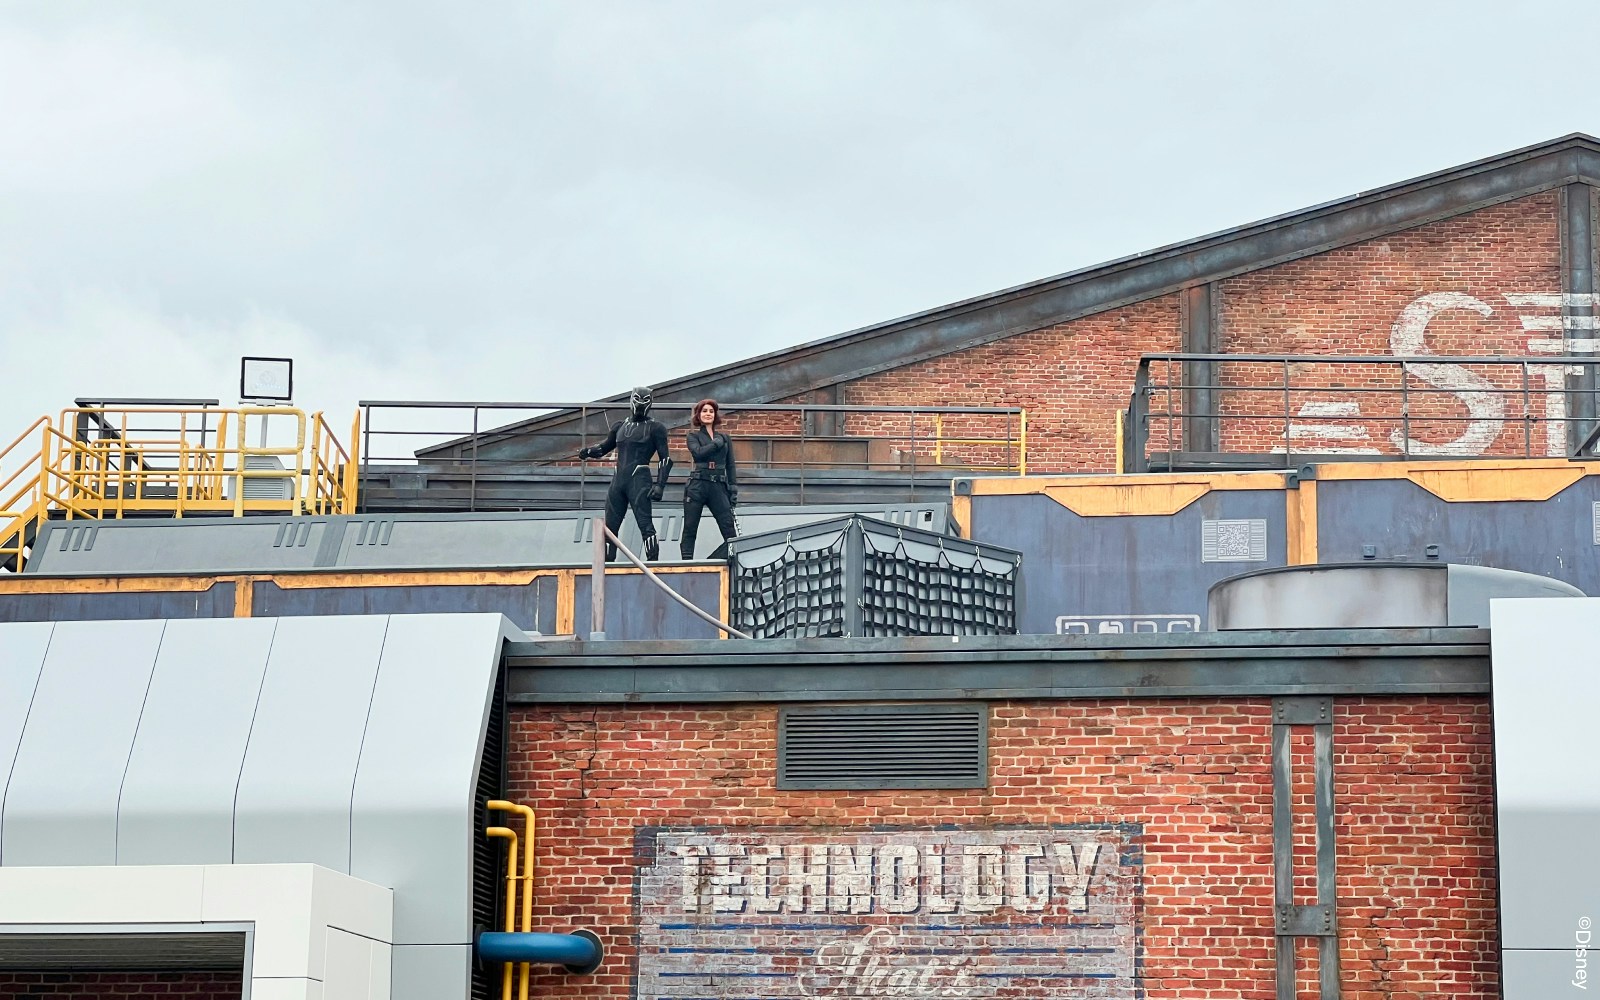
<point>637,443</point>
<point>714,483</point>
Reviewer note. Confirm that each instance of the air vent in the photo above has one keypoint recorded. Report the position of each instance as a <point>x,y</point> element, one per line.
<point>884,746</point>
<point>1596,518</point>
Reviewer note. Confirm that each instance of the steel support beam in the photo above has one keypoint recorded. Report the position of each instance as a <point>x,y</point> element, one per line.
<point>1294,921</point>
<point>1199,315</point>
<point>1578,282</point>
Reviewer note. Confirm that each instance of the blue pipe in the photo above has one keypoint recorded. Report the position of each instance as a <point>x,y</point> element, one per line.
<point>579,951</point>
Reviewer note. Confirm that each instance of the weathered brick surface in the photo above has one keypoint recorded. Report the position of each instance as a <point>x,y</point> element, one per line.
<point>1072,378</point>
<point>1352,301</point>
<point>1416,898</point>
<point>120,985</point>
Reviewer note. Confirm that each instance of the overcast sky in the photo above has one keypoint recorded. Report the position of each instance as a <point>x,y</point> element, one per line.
<point>544,200</point>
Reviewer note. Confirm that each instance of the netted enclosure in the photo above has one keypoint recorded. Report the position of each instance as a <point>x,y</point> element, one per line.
<point>860,576</point>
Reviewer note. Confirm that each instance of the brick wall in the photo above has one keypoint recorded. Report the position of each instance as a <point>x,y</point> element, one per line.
<point>120,985</point>
<point>1072,378</point>
<point>1352,301</point>
<point>1415,820</point>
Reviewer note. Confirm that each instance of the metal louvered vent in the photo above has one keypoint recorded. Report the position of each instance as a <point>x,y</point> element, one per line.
<point>488,856</point>
<point>884,746</point>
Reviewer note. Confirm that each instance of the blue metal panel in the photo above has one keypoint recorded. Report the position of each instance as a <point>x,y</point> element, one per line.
<point>636,609</point>
<point>531,607</point>
<point>293,803</point>
<point>61,804</point>
<point>177,798</point>
<point>1553,538</point>
<point>412,825</point>
<point>215,602</point>
<point>1120,568</point>
<point>22,649</point>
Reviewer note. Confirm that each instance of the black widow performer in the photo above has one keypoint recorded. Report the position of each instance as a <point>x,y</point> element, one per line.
<point>713,482</point>
<point>638,440</point>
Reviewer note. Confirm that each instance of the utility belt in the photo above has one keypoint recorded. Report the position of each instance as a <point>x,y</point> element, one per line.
<point>709,475</point>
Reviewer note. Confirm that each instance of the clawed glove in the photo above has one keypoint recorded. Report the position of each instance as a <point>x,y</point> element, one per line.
<point>733,497</point>
<point>657,493</point>
<point>588,452</point>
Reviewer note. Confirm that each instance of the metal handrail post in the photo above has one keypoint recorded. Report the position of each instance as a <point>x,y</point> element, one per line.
<point>597,582</point>
<point>366,449</point>
<point>472,469</point>
<point>1288,438</point>
<point>1405,410</point>
<point>1527,416</point>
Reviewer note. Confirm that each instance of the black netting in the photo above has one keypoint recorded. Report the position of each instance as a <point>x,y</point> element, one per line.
<point>905,595</point>
<point>801,593</point>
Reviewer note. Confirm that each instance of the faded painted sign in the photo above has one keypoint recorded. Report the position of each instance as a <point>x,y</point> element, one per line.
<point>1555,324</point>
<point>741,914</point>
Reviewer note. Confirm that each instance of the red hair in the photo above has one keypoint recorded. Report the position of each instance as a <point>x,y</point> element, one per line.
<point>716,414</point>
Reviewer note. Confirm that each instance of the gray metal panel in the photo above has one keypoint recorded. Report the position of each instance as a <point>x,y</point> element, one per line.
<point>1546,798</point>
<point>396,541</point>
<point>213,602</point>
<point>177,797</point>
<point>636,609</point>
<point>1553,537</point>
<point>432,972</point>
<point>1362,595</point>
<point>179,545</point>
<point>61,805</point>
<point>22,651</point>
<point>1119,567</point>
<point>1546,975</point>
<point>531,606</point>
<point>412,825</point>
<point>1471,588</point>
<point>293,803</point>
<point>1542,900</point>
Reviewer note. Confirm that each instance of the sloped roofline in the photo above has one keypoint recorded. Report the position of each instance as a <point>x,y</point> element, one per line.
<point>968,323</point>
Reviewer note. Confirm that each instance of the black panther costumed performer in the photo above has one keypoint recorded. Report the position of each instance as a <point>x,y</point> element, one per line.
<point>637,440</point>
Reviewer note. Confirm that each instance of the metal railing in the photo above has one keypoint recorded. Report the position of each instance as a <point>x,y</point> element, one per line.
<point>483,441</point>
<point>116,461</point>
<point>1279,411</point>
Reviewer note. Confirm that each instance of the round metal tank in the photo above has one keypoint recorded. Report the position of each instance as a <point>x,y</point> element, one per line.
<point>1370,595</point>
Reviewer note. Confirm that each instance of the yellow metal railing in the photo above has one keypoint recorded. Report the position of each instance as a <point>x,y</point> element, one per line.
<point>1020,443</point>
<point>113,462</point>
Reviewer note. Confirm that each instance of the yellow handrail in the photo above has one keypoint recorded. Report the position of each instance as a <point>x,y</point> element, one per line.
<point>1020,444</point>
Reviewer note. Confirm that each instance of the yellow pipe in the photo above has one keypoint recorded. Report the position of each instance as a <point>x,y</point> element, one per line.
<point>511,896</point>
<point>524,969</point>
